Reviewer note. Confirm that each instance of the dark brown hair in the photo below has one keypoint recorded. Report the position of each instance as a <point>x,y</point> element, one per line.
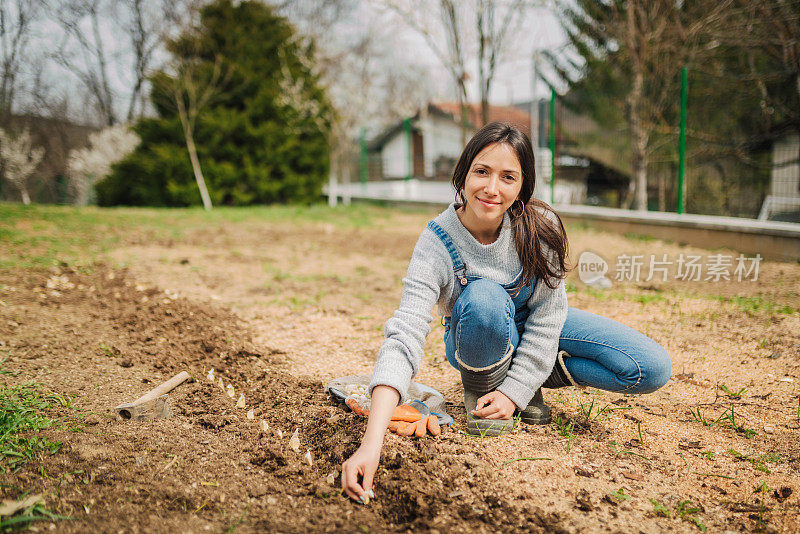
<point>534,232</point>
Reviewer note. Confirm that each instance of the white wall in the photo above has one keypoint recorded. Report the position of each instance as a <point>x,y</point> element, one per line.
<point>395,156</point>
<point>785,178</point>
<point>440,137</point>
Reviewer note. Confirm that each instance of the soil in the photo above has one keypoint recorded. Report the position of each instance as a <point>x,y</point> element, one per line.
<point>278,309</point>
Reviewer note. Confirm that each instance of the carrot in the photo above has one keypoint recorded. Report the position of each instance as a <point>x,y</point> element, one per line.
<point>408,429</point>
<point>433,426</point>
<point>404,412</point>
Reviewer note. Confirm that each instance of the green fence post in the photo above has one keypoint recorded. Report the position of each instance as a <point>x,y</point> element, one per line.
<point>363,159</point>
<point>552,146</point>
<point>682,140</point>
<point>407,132</point>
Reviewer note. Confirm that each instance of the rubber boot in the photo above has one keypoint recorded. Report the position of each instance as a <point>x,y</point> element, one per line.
<point>477,383</point>
<point>560,377</point>
<point>537,412</point>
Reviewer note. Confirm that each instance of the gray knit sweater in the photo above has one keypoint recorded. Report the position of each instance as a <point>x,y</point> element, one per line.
<point>430,280</point>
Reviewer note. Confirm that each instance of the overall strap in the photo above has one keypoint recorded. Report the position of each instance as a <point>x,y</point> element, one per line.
<point>458,264</point>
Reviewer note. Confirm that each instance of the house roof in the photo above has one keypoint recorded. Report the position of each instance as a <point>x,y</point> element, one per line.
<point>452,111</point>
<point>510,114</point>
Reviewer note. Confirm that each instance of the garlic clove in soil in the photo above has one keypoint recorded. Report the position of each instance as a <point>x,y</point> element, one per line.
<point>210,375</point>
<point>264,426</point>
<point>251,414</point>
<point>229,390</point>
<point>279,433</point>
<point>331,478</point>
<point>240,402</point>
<point>221,384</point>
<point>307,457</point>
<point>294,441</point>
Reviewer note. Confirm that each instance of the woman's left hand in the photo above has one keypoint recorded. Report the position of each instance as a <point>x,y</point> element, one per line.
<point>494,405</point>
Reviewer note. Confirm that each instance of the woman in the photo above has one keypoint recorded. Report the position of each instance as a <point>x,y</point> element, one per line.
<point>495,263</point>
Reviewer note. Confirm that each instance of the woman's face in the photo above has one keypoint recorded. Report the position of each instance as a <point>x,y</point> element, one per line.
<point>493,184</point>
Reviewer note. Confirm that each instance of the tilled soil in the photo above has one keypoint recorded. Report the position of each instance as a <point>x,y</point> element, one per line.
<point>277,326</point>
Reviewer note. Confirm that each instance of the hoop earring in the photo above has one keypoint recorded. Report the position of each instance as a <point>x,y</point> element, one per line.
<point>522,209</point>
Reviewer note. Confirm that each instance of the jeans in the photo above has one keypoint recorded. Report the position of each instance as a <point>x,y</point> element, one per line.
<point>604,354</point>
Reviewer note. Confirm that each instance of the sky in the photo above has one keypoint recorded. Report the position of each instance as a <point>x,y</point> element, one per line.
<point>513,80</point>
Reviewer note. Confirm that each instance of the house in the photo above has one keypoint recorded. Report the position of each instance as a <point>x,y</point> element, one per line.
<point>427,145</point>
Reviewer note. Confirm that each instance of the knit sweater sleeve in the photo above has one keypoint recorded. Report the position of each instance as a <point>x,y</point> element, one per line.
<point>536,354</point>
<point>400,356</point>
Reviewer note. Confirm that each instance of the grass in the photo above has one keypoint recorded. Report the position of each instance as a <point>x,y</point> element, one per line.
<point>620,495</point>
<point>688,511</point>
<point>37,512</point>
<point>757,461</point>
<point>733,396</point>
<point>564,428</point>
<point>22,410</point>
<point>41,236</point>
<point>757,304</point>
<point>728,415</point>
<point>660,509</point>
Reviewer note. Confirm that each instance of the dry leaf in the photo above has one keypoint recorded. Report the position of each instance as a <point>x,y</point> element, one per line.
<point>240,402</point>
<point>229,390</point>
<point>294,441</point>
<point>11,507</point>
<point>307,457</point>
<point>251,414</point>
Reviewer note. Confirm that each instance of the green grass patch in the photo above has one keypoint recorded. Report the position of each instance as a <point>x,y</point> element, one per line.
<point>757,304</point>
<point>22,410</point>
<point>40,236</point>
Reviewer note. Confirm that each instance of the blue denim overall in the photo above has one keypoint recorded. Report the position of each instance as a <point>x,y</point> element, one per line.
<point>476,348</point>
<point>488,319</point>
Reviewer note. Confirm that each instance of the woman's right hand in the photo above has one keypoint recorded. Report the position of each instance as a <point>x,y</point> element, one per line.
<point>358,472</point>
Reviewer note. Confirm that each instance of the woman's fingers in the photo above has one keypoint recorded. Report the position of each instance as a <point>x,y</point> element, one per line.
<point>350,484</point>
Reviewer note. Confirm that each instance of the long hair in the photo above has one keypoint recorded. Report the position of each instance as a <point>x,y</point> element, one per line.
<point>535,233</point>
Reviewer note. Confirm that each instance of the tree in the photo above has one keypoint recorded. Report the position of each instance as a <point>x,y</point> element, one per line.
<point>452,23</point>
<point>256,146</point>
<point>493,21</point>
<point>629,56</point>
<point>16,18</point>
<point>492,42</point>
<point>88,165</point>
<point>19,158</point>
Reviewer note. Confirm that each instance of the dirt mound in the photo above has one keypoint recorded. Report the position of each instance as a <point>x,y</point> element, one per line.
<point>103,339</point>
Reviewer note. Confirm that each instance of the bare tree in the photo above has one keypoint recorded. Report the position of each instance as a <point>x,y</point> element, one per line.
<point>19,158</point>
<point>492,39</point>
<point>90,62</point>
<point>643,44</point>
<point>16,17</point>
<point>453,23</point>
<point>146,26</point>
<point>191,88</point>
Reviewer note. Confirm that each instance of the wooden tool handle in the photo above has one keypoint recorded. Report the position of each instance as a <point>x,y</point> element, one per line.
<point>164,388</point>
